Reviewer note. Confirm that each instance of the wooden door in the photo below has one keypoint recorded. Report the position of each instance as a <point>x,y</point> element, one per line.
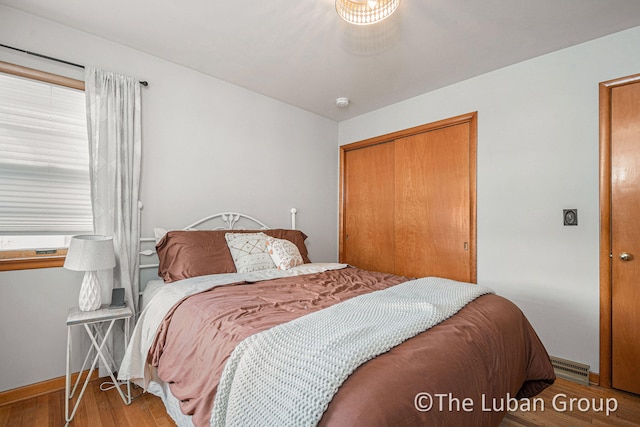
<point>408,201</point>
<point>625,237</point>
<point>432,204</point>
<point>367,235</point>
<point>619,233</point>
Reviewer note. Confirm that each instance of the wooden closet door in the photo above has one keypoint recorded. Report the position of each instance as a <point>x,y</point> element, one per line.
<point>368,208</point>
<point>625,237</point>
<point>408,201</point>
<point>432,204</point>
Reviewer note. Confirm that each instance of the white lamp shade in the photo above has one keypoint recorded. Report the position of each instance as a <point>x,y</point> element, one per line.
<point>90,253</point>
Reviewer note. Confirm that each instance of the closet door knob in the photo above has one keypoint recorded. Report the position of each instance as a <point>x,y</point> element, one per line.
<point>624,256</point>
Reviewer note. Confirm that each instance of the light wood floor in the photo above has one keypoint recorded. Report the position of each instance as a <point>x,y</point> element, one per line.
<point>627,414</point>
<point>99,409</point>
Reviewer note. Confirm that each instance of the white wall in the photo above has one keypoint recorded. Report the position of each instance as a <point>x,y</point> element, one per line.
<point>211,146</point>
<point>537,155</point>
<point>208,146</point>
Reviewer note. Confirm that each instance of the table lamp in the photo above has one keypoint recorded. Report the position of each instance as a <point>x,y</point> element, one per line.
<point>90,253</point>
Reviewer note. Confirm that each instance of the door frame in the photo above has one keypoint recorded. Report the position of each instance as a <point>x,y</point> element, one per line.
<point>472,119</point>
<point>606,89</point>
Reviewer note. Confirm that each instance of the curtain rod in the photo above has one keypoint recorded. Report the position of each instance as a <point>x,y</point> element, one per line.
<point>142,82</point>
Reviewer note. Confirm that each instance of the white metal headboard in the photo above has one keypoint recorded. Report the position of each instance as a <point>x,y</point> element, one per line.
<point>229,221</point>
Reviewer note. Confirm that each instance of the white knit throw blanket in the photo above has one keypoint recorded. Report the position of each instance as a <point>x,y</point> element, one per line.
<point>287,375</point>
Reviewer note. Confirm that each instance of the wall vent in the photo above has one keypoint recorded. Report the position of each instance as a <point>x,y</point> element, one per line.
<point>570,370</point>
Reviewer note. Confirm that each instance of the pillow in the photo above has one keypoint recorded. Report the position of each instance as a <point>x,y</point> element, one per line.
<point>158,233</point>
<point>249,251</point>
<point>283,253</point>
<point>183,254</point>
<point>296,237</point>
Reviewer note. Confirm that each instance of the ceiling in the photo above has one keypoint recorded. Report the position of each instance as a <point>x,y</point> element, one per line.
<point>300,52</point>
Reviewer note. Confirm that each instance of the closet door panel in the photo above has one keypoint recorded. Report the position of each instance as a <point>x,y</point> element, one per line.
<point>368,208</point>
<point>432,204</point>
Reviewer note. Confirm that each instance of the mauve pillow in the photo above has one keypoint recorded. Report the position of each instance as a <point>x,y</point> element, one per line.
<point>183,254</point>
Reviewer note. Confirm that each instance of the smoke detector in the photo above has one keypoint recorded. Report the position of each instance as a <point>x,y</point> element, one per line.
<point>342,102</point>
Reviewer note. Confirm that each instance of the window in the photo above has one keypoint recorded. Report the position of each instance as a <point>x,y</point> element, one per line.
<point>44,167</point>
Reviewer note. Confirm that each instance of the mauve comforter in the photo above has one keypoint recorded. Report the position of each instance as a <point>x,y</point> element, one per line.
<point>466,366</point>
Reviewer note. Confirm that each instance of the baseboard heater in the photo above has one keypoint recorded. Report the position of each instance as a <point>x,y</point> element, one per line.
<point>570,370</point>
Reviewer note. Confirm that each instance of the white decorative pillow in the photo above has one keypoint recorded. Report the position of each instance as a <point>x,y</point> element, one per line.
<point>249,251</point>
<point>284,253</point>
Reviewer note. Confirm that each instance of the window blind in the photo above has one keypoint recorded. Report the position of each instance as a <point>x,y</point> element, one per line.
<point>44,159</point>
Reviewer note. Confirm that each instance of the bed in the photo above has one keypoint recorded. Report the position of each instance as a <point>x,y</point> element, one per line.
<point>225,338</point>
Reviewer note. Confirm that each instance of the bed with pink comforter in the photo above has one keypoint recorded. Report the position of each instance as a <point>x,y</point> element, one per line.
<point>455,373</point>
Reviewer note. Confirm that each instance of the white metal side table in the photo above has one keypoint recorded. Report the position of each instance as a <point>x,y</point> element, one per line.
<point>92,322</point>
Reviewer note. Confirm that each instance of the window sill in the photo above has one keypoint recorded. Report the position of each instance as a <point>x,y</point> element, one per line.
<point>19,260</point>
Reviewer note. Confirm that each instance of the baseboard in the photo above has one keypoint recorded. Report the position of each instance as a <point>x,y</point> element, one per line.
<point>594,379</point>
<point>38,389</point>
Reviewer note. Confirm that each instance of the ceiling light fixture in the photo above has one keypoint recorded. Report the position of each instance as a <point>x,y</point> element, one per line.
<point>365,12</point>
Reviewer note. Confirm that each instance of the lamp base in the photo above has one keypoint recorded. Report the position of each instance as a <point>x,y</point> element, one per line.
<point>90,292</point>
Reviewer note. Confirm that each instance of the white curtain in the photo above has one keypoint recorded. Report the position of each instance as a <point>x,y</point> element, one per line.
<point>113,124</point>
